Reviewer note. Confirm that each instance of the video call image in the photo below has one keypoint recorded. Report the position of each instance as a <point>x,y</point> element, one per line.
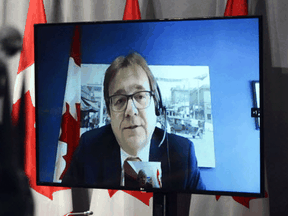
<point>163,106</point>
<point>188,115</point>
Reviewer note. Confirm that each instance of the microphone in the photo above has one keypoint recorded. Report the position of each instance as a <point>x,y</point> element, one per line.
<point>165,124</point>
<point>81,213</point>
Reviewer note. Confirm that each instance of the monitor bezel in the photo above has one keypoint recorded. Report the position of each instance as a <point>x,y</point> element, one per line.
<point>208,192</point>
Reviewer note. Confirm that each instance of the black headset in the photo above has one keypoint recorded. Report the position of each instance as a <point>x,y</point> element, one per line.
<point>159,108</point>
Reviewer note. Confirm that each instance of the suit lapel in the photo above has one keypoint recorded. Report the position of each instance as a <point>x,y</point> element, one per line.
<point>155,151</point>
<point>112,163</point>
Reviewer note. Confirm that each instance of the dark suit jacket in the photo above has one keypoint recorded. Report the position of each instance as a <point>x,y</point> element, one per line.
<point>97,162</point>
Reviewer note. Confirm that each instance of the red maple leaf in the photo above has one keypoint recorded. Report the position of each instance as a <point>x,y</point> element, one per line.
<point>142,196</point>
<point>70,134</point>
<point>243,200</point>
<point>30,144</point>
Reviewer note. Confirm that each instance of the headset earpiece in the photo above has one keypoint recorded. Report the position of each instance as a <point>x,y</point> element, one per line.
<point>157,111</point>
<point>159,105</point>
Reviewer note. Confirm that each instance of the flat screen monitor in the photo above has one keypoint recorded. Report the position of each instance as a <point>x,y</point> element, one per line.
<point>153,105</point>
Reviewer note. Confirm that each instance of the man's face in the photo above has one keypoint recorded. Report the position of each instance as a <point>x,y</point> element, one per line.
<point>133,128</point>
<point>142,180</point>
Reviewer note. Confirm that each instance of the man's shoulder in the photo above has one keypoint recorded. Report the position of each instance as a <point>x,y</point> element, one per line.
<point>101,132</point>
<point>98,136</point>
<point>97,140</point>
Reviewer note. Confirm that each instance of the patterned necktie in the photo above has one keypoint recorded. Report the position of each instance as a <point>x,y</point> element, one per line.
<point>130,175</point>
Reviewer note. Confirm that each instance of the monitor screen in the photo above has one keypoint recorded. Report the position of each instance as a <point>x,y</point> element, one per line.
<point>153,105</point>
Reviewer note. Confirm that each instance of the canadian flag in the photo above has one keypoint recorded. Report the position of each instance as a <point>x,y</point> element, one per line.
<point>202,205</point>
<point>47,200</point>
<point>118,202</point>
<point>132,10</point>
<point>121,203</point>
<point>70,125</point>
<point>236,8</point>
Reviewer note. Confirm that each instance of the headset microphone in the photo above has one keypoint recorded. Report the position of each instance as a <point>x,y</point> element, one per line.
<point>161,110</point>
<point>165,130</point>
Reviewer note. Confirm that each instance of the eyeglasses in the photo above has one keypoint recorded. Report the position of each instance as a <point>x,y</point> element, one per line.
<point>141,100</point>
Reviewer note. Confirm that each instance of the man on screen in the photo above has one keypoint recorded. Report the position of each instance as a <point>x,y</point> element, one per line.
<point>133,102</point>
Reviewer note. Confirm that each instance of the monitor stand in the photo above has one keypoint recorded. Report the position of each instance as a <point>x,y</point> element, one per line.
<point>171,204</point>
